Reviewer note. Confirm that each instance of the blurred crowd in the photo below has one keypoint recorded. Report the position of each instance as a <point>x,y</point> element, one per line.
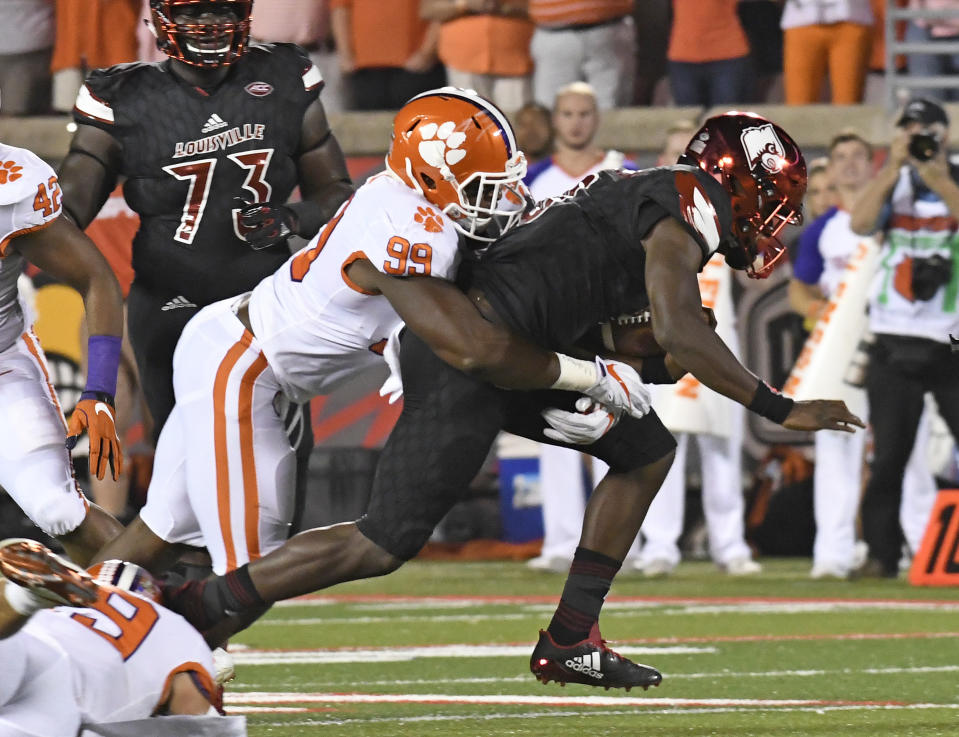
<point>374,55</point>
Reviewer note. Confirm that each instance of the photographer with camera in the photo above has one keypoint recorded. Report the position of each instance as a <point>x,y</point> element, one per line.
<point>913,202</point>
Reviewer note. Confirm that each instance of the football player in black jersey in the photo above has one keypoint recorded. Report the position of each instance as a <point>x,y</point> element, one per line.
<point>209,144</point>
<point>621,241</point>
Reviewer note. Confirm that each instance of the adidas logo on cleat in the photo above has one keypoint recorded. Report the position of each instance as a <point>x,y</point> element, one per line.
<point>586,664</point>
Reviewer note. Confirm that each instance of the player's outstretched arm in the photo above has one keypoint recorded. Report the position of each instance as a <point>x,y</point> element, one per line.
<point>89,173</point>
<point>63,251</point>
<point>672,262</point>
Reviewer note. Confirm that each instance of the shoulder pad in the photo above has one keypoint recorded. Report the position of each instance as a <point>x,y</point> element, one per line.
<point>296,57</point>
<point>97,94</point>
<point>699,206</point>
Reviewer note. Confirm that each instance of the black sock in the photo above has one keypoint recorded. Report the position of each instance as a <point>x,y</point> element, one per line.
<point>589,580</point>
<point>230,594</point>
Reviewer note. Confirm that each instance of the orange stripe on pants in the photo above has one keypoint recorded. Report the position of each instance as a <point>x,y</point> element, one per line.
<point>33,345</point>
<point>809,51</point>
<point>251,494</point>
<point>220,445</point>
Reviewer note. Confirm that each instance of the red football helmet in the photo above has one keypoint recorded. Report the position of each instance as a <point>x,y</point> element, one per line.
<point>127,576</point>
<point>458,150</point>
<point>201,33</point>
<point>763,170</point>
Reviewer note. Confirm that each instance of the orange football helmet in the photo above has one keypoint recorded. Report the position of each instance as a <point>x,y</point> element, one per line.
<point>458,150</point>
<point>127,576</point>
<point>202,44</point>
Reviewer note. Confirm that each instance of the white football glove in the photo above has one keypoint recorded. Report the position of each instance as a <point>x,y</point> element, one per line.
<point>620,388</point>
<point>585,426</point>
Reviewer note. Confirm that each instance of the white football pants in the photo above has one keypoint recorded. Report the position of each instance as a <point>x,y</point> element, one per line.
<point>224,471</point>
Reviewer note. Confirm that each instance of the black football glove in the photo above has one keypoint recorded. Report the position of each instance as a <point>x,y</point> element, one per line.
<point>265,224</point>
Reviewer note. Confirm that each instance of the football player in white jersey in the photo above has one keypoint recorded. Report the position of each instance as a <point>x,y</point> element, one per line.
<point>35,467</point>
<point>223,472</point>
<point>108,653</point>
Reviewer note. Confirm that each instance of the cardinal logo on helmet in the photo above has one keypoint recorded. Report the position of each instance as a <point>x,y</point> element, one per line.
<point>763,148</point>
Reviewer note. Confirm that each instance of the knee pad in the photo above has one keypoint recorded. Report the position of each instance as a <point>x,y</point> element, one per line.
<point>44,488</point>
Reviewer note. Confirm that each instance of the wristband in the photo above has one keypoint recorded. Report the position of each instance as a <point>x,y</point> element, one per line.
<point>769,403</point>
<point>575,375</point>
<point>653,371</point>
<point>103,361</point>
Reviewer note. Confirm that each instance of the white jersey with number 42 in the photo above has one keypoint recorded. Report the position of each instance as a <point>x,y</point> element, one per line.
<point>315,326</point>
<point>29,200</point>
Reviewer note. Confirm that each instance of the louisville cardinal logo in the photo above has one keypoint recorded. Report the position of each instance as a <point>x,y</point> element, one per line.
<point>763,148</point>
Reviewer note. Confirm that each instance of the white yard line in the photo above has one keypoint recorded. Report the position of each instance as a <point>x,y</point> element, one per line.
<point>554,714</point>
<point>719,675</point>
<point>400,654</point>
<point>263,697</point>
<point>615,608</point>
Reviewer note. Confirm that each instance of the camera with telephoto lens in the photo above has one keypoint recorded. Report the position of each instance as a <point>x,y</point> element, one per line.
<point>923,145</point>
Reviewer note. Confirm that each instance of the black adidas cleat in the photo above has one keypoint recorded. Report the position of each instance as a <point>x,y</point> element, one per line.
<point>589,662</point>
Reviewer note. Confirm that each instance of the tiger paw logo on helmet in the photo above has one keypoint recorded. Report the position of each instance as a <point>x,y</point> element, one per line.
<point>441,145</point>
<point>428,219</point>
<point>10,172</point>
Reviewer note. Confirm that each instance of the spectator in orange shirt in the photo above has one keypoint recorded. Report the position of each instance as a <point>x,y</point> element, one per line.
<point>485,47</point>
<point>91,35</point>
<point>387,52</point>
<point>708,54</point>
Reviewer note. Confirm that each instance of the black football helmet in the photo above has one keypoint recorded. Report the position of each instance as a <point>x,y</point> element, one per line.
<point>202,44</point>
<point>764,172</point>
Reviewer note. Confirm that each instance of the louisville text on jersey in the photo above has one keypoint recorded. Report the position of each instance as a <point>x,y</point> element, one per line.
<point>227,139</point>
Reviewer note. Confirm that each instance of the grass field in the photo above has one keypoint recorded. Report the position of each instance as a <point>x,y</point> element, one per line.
<point>443,649</point>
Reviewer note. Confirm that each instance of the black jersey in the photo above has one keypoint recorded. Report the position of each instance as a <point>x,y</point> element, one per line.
<point>577,260</point>
<point>188,153</point>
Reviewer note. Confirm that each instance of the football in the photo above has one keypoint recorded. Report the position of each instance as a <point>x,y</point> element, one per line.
<point>631,335</point>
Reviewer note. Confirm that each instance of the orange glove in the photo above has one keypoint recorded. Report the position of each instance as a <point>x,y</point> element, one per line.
<point>95,414</point>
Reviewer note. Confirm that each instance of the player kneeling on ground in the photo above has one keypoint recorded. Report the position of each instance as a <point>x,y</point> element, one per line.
<point>107,657</point>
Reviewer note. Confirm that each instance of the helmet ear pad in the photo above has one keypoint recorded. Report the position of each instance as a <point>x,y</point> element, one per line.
<point>735,255</point>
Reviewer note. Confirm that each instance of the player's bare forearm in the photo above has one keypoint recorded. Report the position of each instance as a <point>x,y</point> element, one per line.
<point>672,263</point>
<point>322,174</point>
<point>63,251</point>
<point>447,320</point>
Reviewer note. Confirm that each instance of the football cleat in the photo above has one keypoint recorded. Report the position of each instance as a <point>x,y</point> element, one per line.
<point>36,568</point>
<point>589,662</point>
